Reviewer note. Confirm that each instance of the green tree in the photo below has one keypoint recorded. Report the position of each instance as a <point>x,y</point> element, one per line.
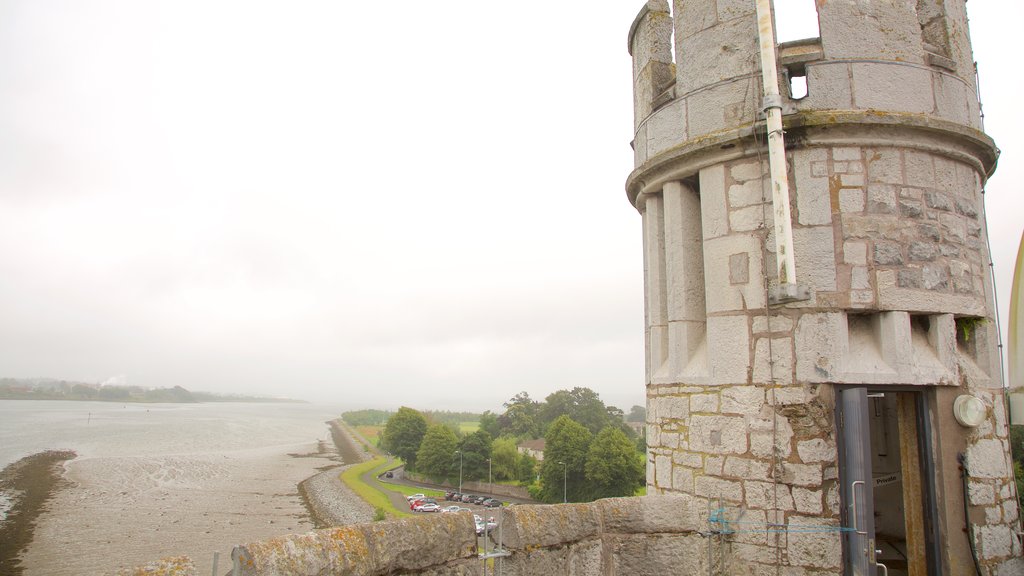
<point>489,424</point>
<point>434,458</point>
<point>565,455</point>
<point>403,434</point>
<point>527,467</point>
<point>476,450</point>
<point>637,414</point>
<point>505,458</point>
<point>614,467</point>
<point>582,405</point>
<point>521,418</point>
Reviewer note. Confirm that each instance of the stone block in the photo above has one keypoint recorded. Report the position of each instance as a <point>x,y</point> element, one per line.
<point>809,548</point>
<point>768,495</point>
<point>749,193</point>
<point>884,86</point>
<point>987,459</point>
<point>662,470</point>
<point>816,450</point>
<point>365,549</point>
<point>729,337</point>
<point>995,541</point>
<point>855,252</point>
<point>808,475</point>
<point>885,165</point>
<point>772,324</point>
<point>548,525</point>
<point>813,203</point>
<point>718,434</point>
<point>951,99</point>
<point>807,501</point>
<point>814,250</point>
<point>851,200</point>
<point>938,201</point>
<point>652,555</point>
<point>718,488</point>
<point>922,251</point>
<point>716,54</point>
<point>749,170</point>
<point>713,209</point>
<point>666,127</point>
<point>828,85</point>
<point>739,268</point>
<point>945,174</point>
<point>690,459</point>
<point>778,351</point>
<point>881,199</point>
<point>676,513</point>
<point>743,399</point>
<point>871,30</point>
<point>682,480</point>
<point>668,408</point>
<point>919,168</point>
<point>761,434</point>
<point>704,403</point>
<point>851,180</point>
<point>859,278</point>
<point>749,218</point>
<point>820,342</point>
<point>713,465</point>
<point>745,468</point>
<point>888,253</point>
<point>709,111</point>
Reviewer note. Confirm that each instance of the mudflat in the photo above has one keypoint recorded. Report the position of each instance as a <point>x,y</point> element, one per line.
<point>99,515</point>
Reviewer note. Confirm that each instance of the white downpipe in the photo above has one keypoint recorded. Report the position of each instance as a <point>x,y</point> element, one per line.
<point>786,263</point>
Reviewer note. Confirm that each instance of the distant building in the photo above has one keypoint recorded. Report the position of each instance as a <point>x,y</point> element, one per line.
<point>534,448</point>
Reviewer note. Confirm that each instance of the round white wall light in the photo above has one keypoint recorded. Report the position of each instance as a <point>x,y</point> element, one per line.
<point>969,411</point>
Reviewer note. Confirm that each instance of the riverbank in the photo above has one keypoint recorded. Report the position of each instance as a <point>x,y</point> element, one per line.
<point>25,488</point>
<point>155,481</point>
<point>328,500</point>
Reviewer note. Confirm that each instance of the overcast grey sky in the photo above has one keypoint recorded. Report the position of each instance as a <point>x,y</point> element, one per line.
<point>374,203</point>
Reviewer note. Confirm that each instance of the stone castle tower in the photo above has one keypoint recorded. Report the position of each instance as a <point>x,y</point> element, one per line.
<point>834,395</point>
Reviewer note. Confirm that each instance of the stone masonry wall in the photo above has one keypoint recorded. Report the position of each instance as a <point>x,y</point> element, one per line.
<point>643,536</point>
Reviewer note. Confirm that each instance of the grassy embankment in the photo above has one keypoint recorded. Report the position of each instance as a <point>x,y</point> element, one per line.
<point>375,492</point>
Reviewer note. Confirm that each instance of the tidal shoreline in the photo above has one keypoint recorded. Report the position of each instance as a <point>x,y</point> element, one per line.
<point>28,484</point>
<point>329,501</point>
<point>159,482</point>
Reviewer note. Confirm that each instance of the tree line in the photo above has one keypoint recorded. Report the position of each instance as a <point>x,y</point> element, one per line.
<point>590,452</point>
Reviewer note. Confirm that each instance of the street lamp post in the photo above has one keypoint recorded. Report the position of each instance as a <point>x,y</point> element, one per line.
<point>459,452</point>
<point>565,475</point>
<point>490,485</point>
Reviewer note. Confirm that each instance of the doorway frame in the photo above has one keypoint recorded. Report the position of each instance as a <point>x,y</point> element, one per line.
<point>923,399</point>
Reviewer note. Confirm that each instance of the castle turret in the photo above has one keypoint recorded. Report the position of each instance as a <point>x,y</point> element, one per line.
<point>857,418</point>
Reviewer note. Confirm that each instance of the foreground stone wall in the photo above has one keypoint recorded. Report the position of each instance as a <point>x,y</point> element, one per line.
<point>646,536</point>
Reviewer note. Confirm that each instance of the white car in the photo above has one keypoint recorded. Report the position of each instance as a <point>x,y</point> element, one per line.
<point>415,497</point>
<point>451,509</point>
<point>428,508</point>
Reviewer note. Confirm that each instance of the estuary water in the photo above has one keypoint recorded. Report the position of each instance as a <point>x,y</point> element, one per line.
<point>158,480</point>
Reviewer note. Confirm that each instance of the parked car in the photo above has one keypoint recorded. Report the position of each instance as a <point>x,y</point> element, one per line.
<point>492,503</point>
<point>482,527</point>
<point>480,500</point>
<point>419,504</point>
<point>451,509</point>
<point>428,507</point>
<point>468,498</point>
<point>415,497</point>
